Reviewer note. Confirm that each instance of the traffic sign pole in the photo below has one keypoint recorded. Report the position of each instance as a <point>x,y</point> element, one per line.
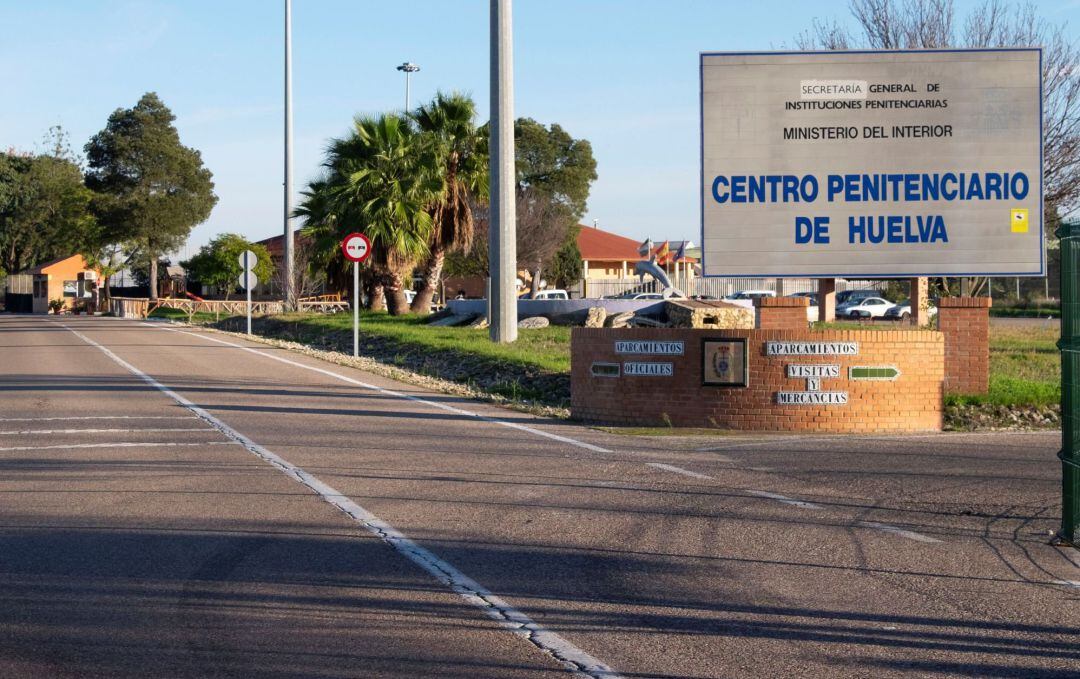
<point>247,286</point>
<point>356,309</point>
<point>356,247</point>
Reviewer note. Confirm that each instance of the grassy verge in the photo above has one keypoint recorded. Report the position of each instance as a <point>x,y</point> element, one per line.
<point>536,368</point>
<point>1025,369</point>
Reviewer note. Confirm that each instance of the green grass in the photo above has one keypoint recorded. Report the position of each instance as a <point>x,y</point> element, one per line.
<point>1025,368</point>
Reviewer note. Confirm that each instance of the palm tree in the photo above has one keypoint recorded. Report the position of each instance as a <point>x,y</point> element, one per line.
<point>460,149</point>
<point>379,179</point>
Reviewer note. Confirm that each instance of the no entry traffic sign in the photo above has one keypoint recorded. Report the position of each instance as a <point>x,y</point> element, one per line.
<point>356,247</point>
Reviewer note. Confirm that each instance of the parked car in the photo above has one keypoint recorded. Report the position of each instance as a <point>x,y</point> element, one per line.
<point>868,307</point>
<point>812,310</point>
<point>748,295</point>
<point>853,295</point>
<point>550,294</point>
<point>901,311</point>
<point>811,295</point>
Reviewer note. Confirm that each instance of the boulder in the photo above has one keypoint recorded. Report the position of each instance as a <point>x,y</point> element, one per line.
<point>595,317</point>
<point>620,320</point>
<point>479,322</point>
<point>534,322</point>
<point>569,318</point>
<point>453,320</point>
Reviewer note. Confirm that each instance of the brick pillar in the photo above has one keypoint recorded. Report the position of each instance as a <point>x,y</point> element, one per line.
<point>920,299</point>
<point>781,313</point>
<point>965,322</point>
<point>826,300</point>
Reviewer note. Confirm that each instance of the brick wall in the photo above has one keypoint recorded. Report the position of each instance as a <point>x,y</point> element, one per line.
<point>913,402</point>
<point>781,313</point>
<point>965,323</point>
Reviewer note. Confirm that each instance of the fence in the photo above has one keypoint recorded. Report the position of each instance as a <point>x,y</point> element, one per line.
<point>715,287</point>
<point>134,307</point>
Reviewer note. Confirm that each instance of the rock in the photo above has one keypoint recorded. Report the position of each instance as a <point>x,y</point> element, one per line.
<point>479,322</point>
<point>445,312</point>
<point>646,322</point>
<point>453,321</point>
<point>596,317</point>
<point>620,320</point>
<point>569,318</point>
<point>534,322</point>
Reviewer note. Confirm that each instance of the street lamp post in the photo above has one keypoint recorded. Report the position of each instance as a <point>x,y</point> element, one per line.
<point>409,68</point>
<point>290,292</point>
<point>502,239</point>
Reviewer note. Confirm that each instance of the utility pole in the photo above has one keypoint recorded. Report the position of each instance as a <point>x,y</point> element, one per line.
<point>409,68</point>
<point>502,235</point>
<point>290,283</point>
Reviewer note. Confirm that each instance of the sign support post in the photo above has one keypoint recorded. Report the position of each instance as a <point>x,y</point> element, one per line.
<point>355,309</point>
<point>1069,233</point>
<point>356,247</point>
<point>248,260</point>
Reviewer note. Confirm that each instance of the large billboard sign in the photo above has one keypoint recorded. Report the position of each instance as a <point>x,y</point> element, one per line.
<point>872,164</point>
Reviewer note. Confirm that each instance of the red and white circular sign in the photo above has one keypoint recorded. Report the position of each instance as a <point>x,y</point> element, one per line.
<point>356,247</point>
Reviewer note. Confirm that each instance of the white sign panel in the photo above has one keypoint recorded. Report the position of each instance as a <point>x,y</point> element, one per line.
<point>649,347</point>
<point>811,348</point>
<point>872,164</point>
<point>648,369</point>
<point>797,370</point>
<point>811,398</point>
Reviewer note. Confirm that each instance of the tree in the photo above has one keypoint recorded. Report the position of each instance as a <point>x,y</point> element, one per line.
<point>566,266</point>
<point>154,189</point>
<point>381,178</point>
<point>218,262</point>
<point>460,151</point>
<point>554,176</point>
<point>44,210</point>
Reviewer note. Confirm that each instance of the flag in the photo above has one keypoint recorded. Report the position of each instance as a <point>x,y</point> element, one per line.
<point>662,253</point>
<point>681,253</point>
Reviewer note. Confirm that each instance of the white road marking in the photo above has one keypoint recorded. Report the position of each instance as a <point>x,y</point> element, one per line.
<point>784,499</point>
<point>896,530</point>
<point>572,657</point>
<point>677,470</point>
<point>759,493</point>
<point>398,394</point>
<point>99,431</point>
<point>118,444</point>
<point>98,417</point>
<point>1068,583</point>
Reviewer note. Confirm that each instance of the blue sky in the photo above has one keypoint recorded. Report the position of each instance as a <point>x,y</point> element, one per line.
<point>620,73</point>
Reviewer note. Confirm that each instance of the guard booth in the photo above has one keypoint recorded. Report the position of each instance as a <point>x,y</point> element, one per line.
<point>70,280</point>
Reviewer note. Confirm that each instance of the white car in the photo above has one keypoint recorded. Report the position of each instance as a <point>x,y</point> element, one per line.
<point>901,311</point>
<point>867,307</point>
<point>745,298</point>
<point>551,294</point>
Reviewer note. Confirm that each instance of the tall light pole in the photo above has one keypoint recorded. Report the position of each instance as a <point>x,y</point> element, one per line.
<point>409,68</point>
<point>290,291</point>
<point>502,234</point>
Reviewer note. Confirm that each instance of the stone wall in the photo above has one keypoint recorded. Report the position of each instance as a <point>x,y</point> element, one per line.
<point>607,386</point>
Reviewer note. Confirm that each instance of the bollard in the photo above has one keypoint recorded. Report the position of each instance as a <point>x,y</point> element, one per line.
<point>1069,233</point>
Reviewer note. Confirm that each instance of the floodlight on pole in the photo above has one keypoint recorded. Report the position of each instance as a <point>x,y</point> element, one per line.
<point>290,291</point>
<point>502,234</point>
<point>408,68</point>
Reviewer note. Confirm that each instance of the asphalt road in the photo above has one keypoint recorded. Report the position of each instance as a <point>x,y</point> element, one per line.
<point>177,503</point>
